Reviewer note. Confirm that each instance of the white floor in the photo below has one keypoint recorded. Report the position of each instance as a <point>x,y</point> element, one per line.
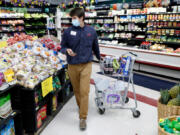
<point>113,122</point>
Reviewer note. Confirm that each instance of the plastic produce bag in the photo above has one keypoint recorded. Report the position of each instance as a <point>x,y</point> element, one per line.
<point>101,84</point>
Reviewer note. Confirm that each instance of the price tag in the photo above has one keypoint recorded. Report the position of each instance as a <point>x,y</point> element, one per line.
<point>3,44</point>
<point>9,74</point>
<point>47,86</point>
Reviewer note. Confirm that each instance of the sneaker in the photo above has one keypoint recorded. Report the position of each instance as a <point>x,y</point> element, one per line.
<point>82,124</point>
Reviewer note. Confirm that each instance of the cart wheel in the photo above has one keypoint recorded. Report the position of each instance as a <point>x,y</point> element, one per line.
<point>127,100</point>
<point>101,111</point>
<point>136,114</point>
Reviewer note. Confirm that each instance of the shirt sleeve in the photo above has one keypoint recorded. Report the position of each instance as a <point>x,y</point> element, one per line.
<point>96,47</point>
<point>64,43</point>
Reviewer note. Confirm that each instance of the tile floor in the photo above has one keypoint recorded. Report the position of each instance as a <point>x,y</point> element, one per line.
<point>113,122</point>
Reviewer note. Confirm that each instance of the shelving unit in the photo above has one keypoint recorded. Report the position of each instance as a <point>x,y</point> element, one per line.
<point>25,101</point>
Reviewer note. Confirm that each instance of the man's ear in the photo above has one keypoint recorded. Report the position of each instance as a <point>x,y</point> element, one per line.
<point>81,18</point>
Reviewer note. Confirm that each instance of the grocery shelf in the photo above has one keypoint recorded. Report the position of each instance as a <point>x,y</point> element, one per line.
<point>127,39</point>
<point>12,25</point>
<point>118,31</point>
<point>131,15</point>
<point>130,22</point>
<point>165,42</point>
<point>34,18</point>
<point>13,18</point>
<point>66,23</point>
<point>162,35</point>
<point>7,89</point>
<point>163,21</point>
<point>11,31</point>
<point>5,120</point>
<point>100,17</point>
<point>35,27</point>
<point>159,27</point>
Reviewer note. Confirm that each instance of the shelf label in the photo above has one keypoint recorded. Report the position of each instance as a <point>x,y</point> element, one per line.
<point>3,44</point>
<point>9,74</point>
<point>47,86</point>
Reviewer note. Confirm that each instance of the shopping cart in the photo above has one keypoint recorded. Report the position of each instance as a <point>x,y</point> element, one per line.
<point>113,94</point>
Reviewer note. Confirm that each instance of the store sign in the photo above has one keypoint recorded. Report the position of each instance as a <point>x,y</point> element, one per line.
<point>47,86</point>
<point>3,44</point>
<point>9,75</point>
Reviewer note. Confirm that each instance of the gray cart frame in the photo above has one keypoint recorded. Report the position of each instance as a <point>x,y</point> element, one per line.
<point>100,100</point>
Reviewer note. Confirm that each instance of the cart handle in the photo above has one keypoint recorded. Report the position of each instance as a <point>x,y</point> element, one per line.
<point>133,54</point>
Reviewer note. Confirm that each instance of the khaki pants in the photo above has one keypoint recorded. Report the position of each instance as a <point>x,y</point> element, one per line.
<point>80,78</point>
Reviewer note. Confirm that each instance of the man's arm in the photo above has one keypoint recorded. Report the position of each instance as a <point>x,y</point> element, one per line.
<point>64,43</point>
<point>96,47</point>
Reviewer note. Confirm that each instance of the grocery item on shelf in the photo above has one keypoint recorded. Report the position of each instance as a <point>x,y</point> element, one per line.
<point>157,47</point>
<point>177,50</point>
<point>5,106</point>
<point>56,84</point>
<point>41,115</point>
<point>11,15</point>
<point>164,24</point>
<point>130,18</point>
<point>54,103</point>
<point>8,128</point>
<point>17,38</point>
<point>11,22</point>
<point>163,17</point>
<point>35,15</point>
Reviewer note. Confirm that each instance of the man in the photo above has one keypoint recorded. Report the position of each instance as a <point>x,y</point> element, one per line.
<point>78,42</point>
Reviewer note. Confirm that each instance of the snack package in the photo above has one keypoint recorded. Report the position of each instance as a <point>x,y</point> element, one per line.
<point>5,106</point>
<point>54,103</point>
<point>18,46</point>
<point>39,120</point>
<point>43,111</point>
<point>124,66</point>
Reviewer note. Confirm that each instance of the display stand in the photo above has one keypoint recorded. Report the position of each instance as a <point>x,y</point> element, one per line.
<point>24,100</point>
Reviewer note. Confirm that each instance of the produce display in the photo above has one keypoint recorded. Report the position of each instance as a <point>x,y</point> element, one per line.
<point>11,22</point>
<point>37,23</point>
<point>4,14</point>
<point>171,125</point>
<point>11,29</point>
<point>171,97</point>
<point>35,15</point>
<point>30,61</point>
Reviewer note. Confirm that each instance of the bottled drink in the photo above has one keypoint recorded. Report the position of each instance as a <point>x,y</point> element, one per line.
<point>106,66</point>
<point>111,66</point>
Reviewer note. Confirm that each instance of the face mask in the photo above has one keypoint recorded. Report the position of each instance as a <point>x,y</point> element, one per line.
<point>75,23</point>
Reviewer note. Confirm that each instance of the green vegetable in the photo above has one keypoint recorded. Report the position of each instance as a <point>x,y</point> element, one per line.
<point>177,126</point>
<point>164,96</point>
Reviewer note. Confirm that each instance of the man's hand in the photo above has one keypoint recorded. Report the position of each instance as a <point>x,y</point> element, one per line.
<point>70,52</point>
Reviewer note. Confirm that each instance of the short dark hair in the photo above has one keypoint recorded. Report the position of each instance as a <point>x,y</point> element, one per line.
<point>79,12</point>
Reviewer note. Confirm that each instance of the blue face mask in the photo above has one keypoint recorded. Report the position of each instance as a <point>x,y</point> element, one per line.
<point>75,22</point>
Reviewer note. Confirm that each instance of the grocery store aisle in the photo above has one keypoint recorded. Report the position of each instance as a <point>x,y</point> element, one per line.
<point>112,122</point>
